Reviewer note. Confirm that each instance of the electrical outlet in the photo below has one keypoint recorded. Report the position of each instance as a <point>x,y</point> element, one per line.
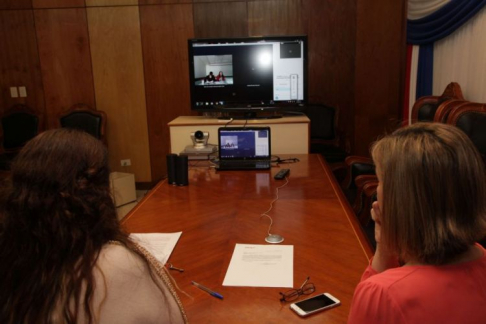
<point>22,92</point>
<point>126,162</point>
<point>13,92</point>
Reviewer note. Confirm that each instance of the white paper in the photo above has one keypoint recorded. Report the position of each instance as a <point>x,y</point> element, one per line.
<point>255,265</point>
<point>160,245</point>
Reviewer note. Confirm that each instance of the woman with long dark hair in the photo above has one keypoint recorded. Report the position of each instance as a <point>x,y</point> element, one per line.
<point>63,256</point>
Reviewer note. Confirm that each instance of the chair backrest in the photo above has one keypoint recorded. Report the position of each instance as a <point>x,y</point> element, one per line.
<point>425,107</point>
<point>19,125</point>
<point>471,119</point>
<point>367,194</point>
<point>85,118</point>
<point>357,166</point>
<point>444,109</point>
<point>323,122</point>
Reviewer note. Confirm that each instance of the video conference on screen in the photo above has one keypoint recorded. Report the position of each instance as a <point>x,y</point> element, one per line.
<point>244,144</point>
<point>271,71</point>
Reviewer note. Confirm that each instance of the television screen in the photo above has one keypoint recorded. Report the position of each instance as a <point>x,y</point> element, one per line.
<point>247,73</point>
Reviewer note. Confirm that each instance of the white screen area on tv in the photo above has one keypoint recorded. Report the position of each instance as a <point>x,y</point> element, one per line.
<point>283,69</point>
<point>205,64</point>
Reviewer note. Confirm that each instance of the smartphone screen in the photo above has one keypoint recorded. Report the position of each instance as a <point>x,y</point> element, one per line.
<point>315,303</point>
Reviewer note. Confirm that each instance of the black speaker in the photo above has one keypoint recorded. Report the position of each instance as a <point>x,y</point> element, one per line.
<point>171,168</point>
<point>182,170</point>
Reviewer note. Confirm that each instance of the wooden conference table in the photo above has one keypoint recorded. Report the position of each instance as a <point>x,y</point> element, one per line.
<point>219,209</point>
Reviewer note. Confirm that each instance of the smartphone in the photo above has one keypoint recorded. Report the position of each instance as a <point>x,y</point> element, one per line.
<point>315,304</point>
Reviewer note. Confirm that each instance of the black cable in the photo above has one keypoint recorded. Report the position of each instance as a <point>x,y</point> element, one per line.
<point>289,160</point>
<point>279,160</point>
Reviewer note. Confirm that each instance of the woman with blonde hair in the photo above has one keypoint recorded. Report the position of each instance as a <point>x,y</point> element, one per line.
<point>63,256</point>
<point>431,211</point>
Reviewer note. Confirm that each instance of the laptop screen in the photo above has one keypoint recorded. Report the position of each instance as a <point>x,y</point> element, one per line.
<point>240,143</point>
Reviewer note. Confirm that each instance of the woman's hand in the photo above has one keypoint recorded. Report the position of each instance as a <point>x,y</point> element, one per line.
<point>376,217</point>
<point>383,258</point>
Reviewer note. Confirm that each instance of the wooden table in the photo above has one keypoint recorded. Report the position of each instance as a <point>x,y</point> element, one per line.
<point>219,209</point>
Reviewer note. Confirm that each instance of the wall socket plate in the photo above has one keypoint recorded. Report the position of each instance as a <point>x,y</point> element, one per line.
<point>126,162</point>
<point>14,92</point>
<point>22,92</point>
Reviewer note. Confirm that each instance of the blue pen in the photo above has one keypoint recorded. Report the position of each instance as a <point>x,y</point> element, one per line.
<point>206,289</point>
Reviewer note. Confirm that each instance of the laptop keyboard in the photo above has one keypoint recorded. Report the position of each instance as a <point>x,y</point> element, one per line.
<point>244,165</point>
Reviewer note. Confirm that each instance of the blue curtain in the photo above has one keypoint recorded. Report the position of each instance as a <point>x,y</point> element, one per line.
<point>425,31</point>
<point>425,71</point>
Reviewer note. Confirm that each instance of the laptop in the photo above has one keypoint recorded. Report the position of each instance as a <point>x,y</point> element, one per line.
<point>244,148</point>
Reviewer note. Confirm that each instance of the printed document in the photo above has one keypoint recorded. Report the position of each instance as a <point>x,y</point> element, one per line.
<point>254,265</point>
<point>160,245</point>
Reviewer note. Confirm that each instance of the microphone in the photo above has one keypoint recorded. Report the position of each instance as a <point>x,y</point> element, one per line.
<point>274,239</point>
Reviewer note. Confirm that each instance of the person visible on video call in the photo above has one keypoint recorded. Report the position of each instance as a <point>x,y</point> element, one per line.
<point>63,256</point>
<point>220,76</point>
<point>431,210</point>
<point>210,77</point>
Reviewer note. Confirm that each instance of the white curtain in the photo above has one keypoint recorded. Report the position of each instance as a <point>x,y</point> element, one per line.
<point>461,57</point>
<point>421,8</point>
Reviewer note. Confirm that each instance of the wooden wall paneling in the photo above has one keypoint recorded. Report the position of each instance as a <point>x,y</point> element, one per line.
<point>19,60</point>
<point>165,30</point>
<point>331,29</point>
<point>220,19</point>
<point>65,58</point>
<point>116,53</point>
<point>380,49</point>
<point>151,2</point>
<point>403,58</point>
<point>107,3</point>
<point>195,1</point>
<point>15,4</point>
<point>57,3</point>
<point>275,17</point>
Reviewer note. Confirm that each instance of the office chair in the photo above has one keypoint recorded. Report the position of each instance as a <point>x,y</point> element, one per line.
<point>356,166</point>
<point>325,137</point>
<point>366,195</point>
<point>445,108</point>
<point>83,117</point>
<point>470,117</point>
<point>424,108</point>
<point>19,125</point>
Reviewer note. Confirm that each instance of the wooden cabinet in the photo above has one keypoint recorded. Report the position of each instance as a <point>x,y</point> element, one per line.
<point>289,135</point>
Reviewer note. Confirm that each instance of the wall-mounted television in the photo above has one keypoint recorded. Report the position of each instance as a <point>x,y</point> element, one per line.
<point>244,74</point>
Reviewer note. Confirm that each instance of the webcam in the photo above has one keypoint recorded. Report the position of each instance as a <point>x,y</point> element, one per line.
<point>200,139</point>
